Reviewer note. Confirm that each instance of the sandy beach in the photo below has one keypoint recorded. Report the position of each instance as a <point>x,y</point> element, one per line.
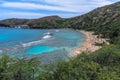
<point>89,44</point>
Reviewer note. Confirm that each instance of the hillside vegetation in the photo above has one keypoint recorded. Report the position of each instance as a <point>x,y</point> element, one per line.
<point>103,64</point>
<point>103,20</point>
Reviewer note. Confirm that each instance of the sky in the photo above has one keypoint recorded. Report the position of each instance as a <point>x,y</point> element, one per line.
<point>39,8</point>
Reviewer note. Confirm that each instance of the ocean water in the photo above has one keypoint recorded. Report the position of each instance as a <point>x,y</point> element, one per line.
<point>49,45</point>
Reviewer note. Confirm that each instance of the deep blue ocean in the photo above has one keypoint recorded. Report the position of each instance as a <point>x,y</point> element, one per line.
<point>49,45</point>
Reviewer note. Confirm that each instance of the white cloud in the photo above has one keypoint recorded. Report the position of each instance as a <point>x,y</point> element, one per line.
<point>77,6</point>
<point>35,6</point>
<point>30,15</point>
<point>59,5</point>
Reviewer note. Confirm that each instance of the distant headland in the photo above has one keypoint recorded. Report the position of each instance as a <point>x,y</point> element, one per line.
<point>102,16</point>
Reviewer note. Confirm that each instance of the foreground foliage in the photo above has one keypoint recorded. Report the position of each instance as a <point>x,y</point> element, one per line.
<point>103,64</point>
<point>18,69</point>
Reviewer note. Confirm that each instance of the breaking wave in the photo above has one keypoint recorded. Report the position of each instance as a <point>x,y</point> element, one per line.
<point>44,38</point>
<point>23,46</point>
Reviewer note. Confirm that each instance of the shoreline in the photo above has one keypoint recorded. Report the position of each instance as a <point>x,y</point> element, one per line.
<point>89,44</point>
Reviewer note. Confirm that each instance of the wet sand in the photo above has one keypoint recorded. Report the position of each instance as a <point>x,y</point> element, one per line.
<point>89,44</point>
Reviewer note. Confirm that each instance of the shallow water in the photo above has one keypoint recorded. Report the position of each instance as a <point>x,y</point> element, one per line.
<point>38,43</point>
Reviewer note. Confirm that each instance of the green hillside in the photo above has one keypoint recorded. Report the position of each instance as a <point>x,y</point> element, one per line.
<point>103,64</point>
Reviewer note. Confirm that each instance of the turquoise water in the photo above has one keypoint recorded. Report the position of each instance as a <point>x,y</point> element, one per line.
<point>40,49</point>
<point>47,44</point>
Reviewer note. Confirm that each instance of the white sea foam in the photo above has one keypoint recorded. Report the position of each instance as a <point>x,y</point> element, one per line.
<point>47,36</point>
<point>31,43</point>
<point>44,38</point>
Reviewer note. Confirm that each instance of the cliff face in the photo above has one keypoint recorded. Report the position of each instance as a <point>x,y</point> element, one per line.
<point>102,16</point>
